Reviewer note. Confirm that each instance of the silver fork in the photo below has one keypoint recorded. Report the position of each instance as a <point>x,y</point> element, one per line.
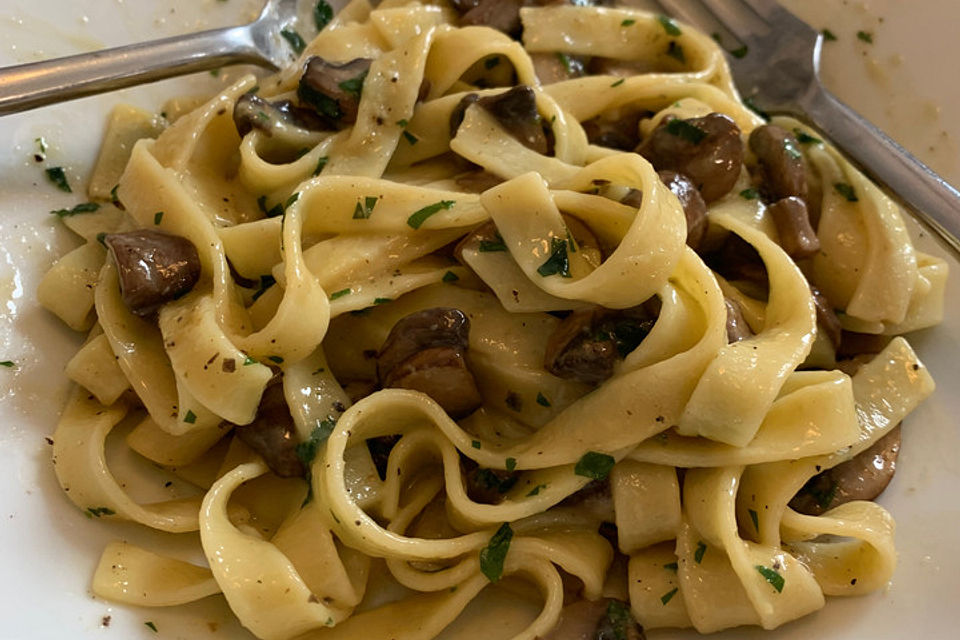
<point>780,74</point>
<point>33,85</point>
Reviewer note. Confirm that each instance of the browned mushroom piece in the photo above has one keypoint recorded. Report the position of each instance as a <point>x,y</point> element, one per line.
<point>853,344</point>
<point>515,109</point>
<point>737,327</point>
<point>797,237</point>
<point>620,131</point>
<point>333,89</point>
<point>426,351</point>
<point>605,619</point>
<point>273,435</point>
<point>486,486</point>
<point>502,15</point>
<point>708,150</point>
<point>380,448</point>
<point>864,477</point>
<point>781,162</point>
<point>557,67</point>
<point>694,208</point>
<point>587,343</point>
<point>827,320</point>
<point>634,198</point>
<point>478,181</point>
<point>737,259</point>
<point>153,267</point>
<point>276,119</point>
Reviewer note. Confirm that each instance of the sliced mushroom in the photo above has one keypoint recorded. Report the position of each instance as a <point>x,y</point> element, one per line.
<point>708,150</point>
<point>515,110</point>
<point>332,89</point>
<point>694,208</point>
<point>153,267</point>
<point>620,131</point>
<point>502,15</point>
<point>736,259</point>
<point>586,344</point>
<point>864,477</point>
<point>827,320</point>
<point>797,237</point>
<point>273,435</point>
<point>557,67</point>
<point>486,486</point>
<point>426,351</point>
<point>781,162</point>
<point>737,327</point>
<point>606,619</point>
<point>282,120</point>
<point>854,344</point>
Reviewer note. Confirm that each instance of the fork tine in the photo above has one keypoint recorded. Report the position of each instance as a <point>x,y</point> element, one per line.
<point>739,19</point>
<point>678,10</point>
<point>775,13</point>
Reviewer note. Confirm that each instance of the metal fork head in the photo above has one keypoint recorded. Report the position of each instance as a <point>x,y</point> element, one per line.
<point>276,16</point>
<point>782,56</point>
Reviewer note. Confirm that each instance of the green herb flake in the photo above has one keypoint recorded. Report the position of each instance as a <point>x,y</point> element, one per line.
<point>542,400</point>
<point>594,465</point>
<point>536,490</point>
<point>755,519</point>
<point>86,207</point>
<point>683,129</point>
<point>382,300</point>
<point>698,553</point>
<point>295,40</point>
<point>475,444</point>
<point>675,51</point>
<point>488,246</point>
<point>114,198</point>
<point>8,364</point>
<point>629,22</point>
<point>215,72</point>
<point>619,82</point>
<point>805,138</point>
<point>403,122</point>
<point>771,576</point>
<point>450,276</point>
<point>668,596</point>
<point>511,464</point>
<point>750,104</point>
<point>618,619</point>
<point>354,85</point>
<point>307,450</point>
<point>102,238</point>
<point>341,293</point>
<point>493,555</point>
<point>671,566</point>
<point>739,52</point>
<point>828,35</point>
<point>565,61</point>
<point>57,176</point>
<point>293,198</point>
<point>749,194</point>
<point>491,62</point>
<point>865,36</point>
<point>321,163</point>
<point>322,14</point>
<point>157,217</point>
<point>275,359</point>
<point>190,418</point>
<point>41,153</point>
<point>149,624</point>
<point>365,209</point>
<point>669,26</point>
<point>420,216</point>
<point>846,191</point>
<point>558,262</point>
<point>100,511</point>
<point>409,137</point>
<point>249,361</point>
<point>791,149</point>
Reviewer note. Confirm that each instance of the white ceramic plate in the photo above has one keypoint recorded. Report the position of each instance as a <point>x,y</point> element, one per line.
<point>904,81</point>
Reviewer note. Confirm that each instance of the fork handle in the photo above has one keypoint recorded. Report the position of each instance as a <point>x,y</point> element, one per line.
<point>934,200</point>
<point>28,86</point>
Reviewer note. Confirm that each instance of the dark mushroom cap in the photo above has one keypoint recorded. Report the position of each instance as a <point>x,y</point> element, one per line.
<point>253,112</point>
<point>153,267</point>
<point>620,132</point>
<point>797,237</point>
<point>332,89</point>
<point>737,327</point>
<point>708,150</point>
<point>781,162</point>
<point>827,320</point>
<point>273,435</point>
<point>694,208</point>
<point>515,109</point>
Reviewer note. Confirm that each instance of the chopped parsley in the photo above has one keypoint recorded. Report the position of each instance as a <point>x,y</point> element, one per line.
<point>757,110</point>
<point>828,35</point>
<point>86,207</point>
<point>450,276</point>
<point>96,512</point>
<point>382,300</point>
<point>511,464</point>
<point>114,198</point>
<point>365,209</point>
<point>149,624</point>
<point>307,450</point>
<point>536,490</point>
<point>628,22</point>
<point>322,14</point>
<point>542,400</point>
<point>102,238</point>
<point>41,153</point>
<point>321,163</point>
<point>491,62</point>
<point>594,465</point>
<point>865,36</point>
<point>700,550</point>
<point>683,129</point>
<point>341,293</point>
<point>494,482</point>
<point>493,555</point>
<point>669,26</point>
<point>675,51</point>
<point>278,209</point>
<point>487,246</point>
<point>157,217</point>
<point>266,282</point>
<point>249,361</point>
<point>755,519</point>
<point>475,444</point>
<point>403,122</point>
<point>558,262</point>
<point>293,198</point>
<point>354,85</point>
<point>565,61</point>
<point>619,82</point>
<point>275,359</point>
<point>671,566</point>
<point>420,216</point>
<point>846,191</point>
<point>190,418</point>
<point>772,576</point>
<point>409,137</point>
<point>57,176</point>
<point>805,138</point>
<point>8,364</point>
<point>668,596</point>
<point>749,194</point>
<point>295,40</point>
<point>739,52</point>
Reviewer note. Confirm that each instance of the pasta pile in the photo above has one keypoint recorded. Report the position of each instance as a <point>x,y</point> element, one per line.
<point>313,244</point>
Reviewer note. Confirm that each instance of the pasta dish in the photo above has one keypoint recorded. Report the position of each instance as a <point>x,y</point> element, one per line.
<point>472,300</point>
